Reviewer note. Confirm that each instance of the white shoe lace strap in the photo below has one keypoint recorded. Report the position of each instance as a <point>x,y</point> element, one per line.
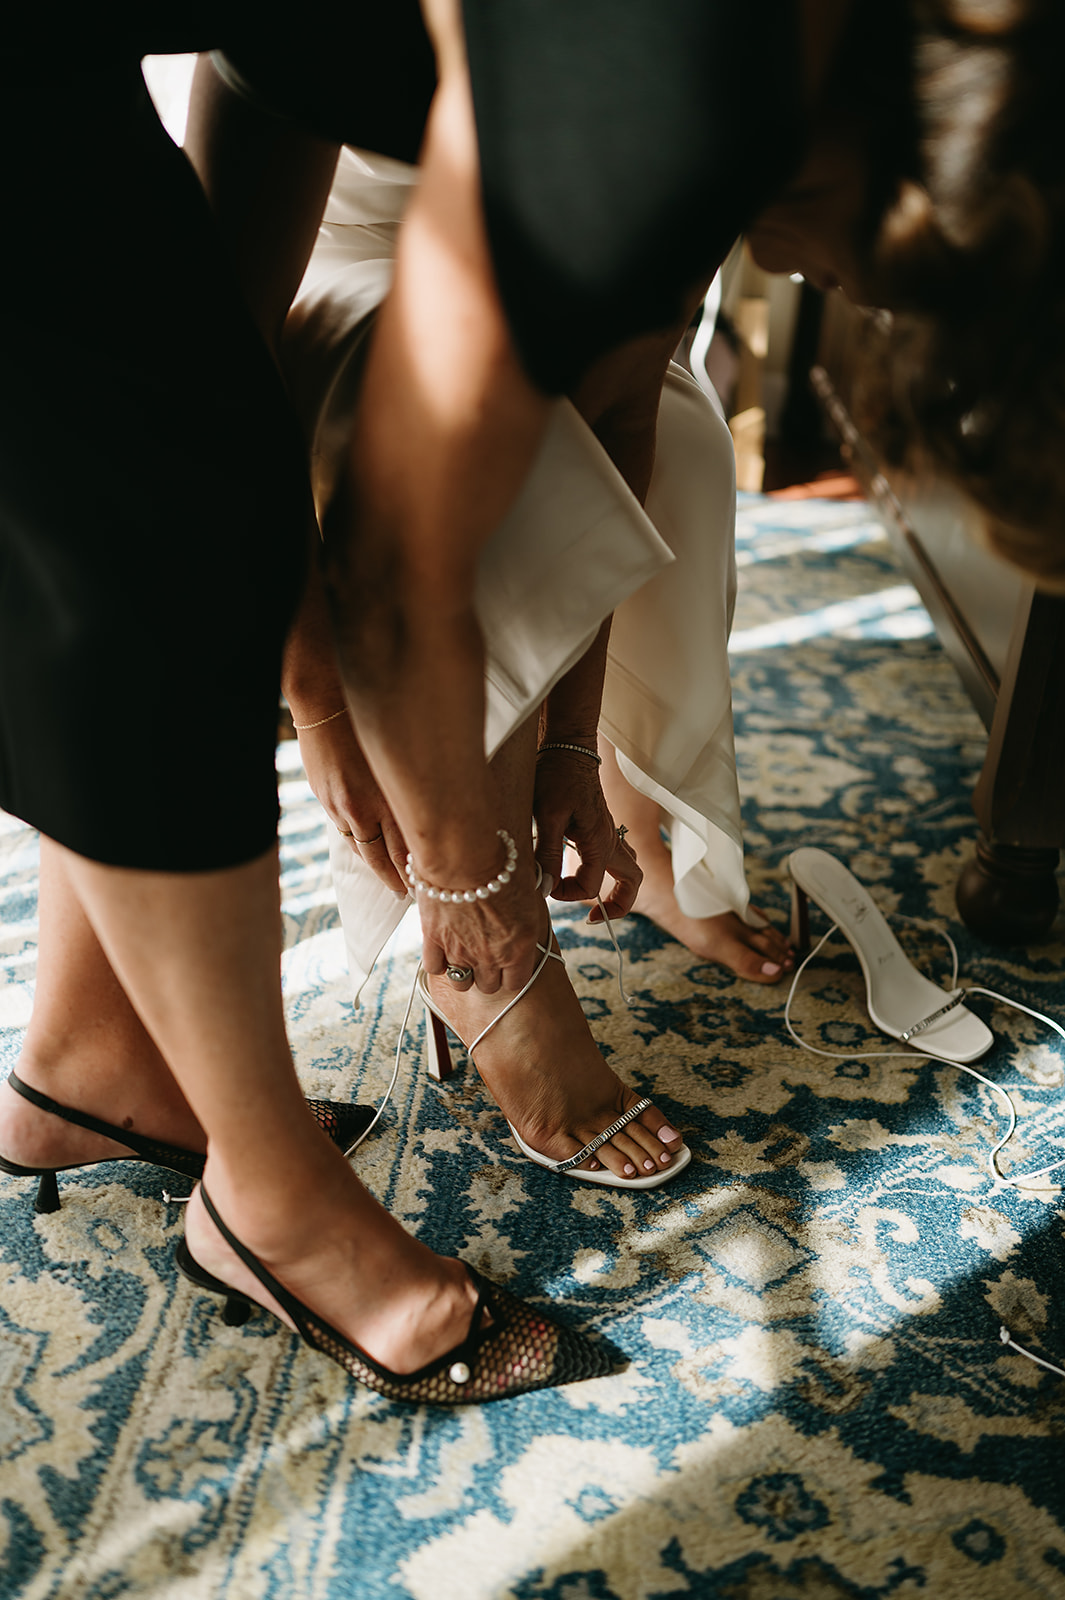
<point>546,955</point>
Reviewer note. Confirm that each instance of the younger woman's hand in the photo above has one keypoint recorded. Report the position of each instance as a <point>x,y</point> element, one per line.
<point>340,778</point>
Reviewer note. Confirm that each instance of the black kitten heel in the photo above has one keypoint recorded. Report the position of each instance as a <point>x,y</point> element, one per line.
<point>342,1123</point>
<point>509,1347</point>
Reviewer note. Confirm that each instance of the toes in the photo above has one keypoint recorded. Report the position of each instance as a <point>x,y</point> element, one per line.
<point>637,1151</point>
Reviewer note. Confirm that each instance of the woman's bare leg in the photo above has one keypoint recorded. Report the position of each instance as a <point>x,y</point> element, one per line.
<point>198,955</point>
<point>761,955</point>
<point>541,1064</point>
<point>85,1046</point>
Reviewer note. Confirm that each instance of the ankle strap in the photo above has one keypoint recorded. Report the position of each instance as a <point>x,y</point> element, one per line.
<point>546,955</point>
<point>156,1151</point>
<point>81,1119</point>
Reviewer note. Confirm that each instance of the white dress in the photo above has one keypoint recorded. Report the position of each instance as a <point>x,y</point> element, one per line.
<point>575,547</point>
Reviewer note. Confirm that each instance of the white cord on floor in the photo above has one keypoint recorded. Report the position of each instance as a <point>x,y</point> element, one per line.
<point>366,1132</point>
<point>999,1178</point>
<point>1008,1339</point>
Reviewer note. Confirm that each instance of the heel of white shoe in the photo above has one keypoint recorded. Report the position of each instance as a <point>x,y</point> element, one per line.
<point>800,920</point>
<point>437,1050</point>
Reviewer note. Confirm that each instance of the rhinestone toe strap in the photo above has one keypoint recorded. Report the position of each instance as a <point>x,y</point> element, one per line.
<point>926,1022</point>
<point>602,1138</point>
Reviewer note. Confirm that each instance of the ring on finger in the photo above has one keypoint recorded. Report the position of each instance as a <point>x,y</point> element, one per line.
<point>367,841</point>
<point>458,974</point>
<point>344,835</point>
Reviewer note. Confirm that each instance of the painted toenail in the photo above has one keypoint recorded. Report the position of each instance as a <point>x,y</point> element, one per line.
<point>771,968</point>
<point>667,1134</point>
<point>649,1166</point>
<point>630,1170</point>
<point>665,1157</point>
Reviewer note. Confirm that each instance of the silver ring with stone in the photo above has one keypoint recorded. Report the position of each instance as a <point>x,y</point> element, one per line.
<point>460,974</point>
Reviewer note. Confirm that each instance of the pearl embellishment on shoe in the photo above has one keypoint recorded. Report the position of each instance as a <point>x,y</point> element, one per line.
<point>459,1372</point>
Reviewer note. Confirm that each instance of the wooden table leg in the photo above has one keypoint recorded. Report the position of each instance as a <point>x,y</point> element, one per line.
<point>1008,892</point>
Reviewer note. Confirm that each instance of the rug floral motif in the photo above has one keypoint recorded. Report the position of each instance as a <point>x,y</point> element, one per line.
<point>816,1404</point>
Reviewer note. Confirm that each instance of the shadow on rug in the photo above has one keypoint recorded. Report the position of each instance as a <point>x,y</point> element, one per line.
<point>817,1404</point>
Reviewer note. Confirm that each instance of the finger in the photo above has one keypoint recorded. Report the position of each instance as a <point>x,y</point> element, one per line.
<point>549,859</point>
<point>627,883</point>
<point>489,980</point>
<point>377,854</point>
<point>459,976</point>
<point>515,976</point>
<point>433,958</point>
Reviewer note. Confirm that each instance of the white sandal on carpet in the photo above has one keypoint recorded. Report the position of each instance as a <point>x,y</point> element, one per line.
<point>900,1001</point>
<point>440,1068</point>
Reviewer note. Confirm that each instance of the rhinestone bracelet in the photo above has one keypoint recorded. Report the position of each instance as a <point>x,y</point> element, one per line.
<point>460,896</point>
<point>582,749</point>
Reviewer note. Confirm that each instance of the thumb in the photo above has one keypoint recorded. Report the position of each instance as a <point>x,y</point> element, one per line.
<point>549,851</point>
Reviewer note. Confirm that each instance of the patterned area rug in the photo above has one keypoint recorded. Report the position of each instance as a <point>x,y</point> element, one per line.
<point>817,1404</point>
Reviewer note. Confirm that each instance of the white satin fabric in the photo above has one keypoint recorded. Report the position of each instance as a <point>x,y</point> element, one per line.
<point>575,547</point>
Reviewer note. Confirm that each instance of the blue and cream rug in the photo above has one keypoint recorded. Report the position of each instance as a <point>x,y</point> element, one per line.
<point>817,1404</point>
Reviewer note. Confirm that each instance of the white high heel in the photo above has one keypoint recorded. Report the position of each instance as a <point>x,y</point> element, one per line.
<point>440,1068</point>
<point>901,1002</point>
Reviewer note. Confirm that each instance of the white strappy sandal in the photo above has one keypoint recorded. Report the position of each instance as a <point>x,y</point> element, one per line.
<point>900,1001</point>
<point>440,1068</point>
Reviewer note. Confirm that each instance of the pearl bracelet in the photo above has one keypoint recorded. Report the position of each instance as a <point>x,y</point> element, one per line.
<point>581,749</point>
<point>466,896</point>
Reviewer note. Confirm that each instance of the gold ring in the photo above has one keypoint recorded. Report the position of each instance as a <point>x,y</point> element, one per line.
<point>368,841</point>
<point>344,835</point>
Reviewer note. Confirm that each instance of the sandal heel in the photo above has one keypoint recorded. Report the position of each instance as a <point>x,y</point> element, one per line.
<point>47,1194</point>
<point>438,1051</point>
<point>235,1313</point>
<point>800,920</point>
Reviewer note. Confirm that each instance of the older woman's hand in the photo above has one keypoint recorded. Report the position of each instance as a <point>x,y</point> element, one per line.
<point>495,938</point>
<point>569,805</point>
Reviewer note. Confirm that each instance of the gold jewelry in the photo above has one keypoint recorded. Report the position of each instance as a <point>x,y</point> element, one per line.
<point>581,749</point>
<point>302,727</point>
<point>367,841</point>
<point>345,835</point>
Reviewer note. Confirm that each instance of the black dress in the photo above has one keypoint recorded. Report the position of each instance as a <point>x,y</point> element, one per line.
<point>153,487</point>
<point>153,495</point>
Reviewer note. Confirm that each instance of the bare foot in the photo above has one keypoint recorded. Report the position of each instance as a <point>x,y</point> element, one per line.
<point>139,1095</point>
<point>344,1257</point>
<point>761,955</point>
<point>542,1068</point>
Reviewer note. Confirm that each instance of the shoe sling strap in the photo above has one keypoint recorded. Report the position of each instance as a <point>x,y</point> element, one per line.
<point>81,1119</point>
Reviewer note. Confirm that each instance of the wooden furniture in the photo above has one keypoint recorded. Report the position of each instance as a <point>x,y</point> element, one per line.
<point>1006,640</point>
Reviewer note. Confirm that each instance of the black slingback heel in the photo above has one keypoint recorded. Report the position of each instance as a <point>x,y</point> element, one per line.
<point>342,1123</point>
<point>518,1350</point>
